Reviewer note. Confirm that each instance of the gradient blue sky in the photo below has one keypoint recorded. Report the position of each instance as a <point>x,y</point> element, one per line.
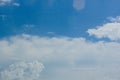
<point>56,16</point>
<point>59,39</point>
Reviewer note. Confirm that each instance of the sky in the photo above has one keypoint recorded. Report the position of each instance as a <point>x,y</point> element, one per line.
<point>59,40</point>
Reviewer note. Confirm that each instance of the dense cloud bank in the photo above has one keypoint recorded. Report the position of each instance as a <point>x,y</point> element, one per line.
<point>75,57</point>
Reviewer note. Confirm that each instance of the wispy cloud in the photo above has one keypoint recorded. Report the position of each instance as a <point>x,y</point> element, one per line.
<point>8,2</point>
<point>4,2</point>
<point>78,4</point>
<point>16,4</point>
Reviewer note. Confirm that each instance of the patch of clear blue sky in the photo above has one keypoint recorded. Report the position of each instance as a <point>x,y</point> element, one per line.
<point>60,18</point>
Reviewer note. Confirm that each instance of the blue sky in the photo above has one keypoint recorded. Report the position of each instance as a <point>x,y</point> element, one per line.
<point>57,16</point>
<point>59,39</point>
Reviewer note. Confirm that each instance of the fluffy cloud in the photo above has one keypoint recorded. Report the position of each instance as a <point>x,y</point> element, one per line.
<point>64,58</point>
<point>109,30</point>
<point>22,71</point>
<point>8,2</point>
<point>78,4</point>
<point>27,47</point>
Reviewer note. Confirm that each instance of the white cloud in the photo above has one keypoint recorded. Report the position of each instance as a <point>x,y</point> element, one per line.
<point>22,71</point>
<point>51,33</point>
<point>104,73</point>
<point>28,25</point>
<point>109,30</point>
<point>9,2</point>
<point>4,2</point>
<point>16,4</point>
<point>64,57</point>
<point>116,19</point>
<point>78,4</point>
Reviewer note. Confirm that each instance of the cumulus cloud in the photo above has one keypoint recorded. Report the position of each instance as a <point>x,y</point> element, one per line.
<point>78,4</point>
<point>109,30</point>
<point>22,71</point>
<point>64,58</point>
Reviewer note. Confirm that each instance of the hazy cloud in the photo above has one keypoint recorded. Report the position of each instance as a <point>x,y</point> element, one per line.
<point>16,4</point>
<point>4,2</point>
<point>78,4</point>
<point>8,2</point>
